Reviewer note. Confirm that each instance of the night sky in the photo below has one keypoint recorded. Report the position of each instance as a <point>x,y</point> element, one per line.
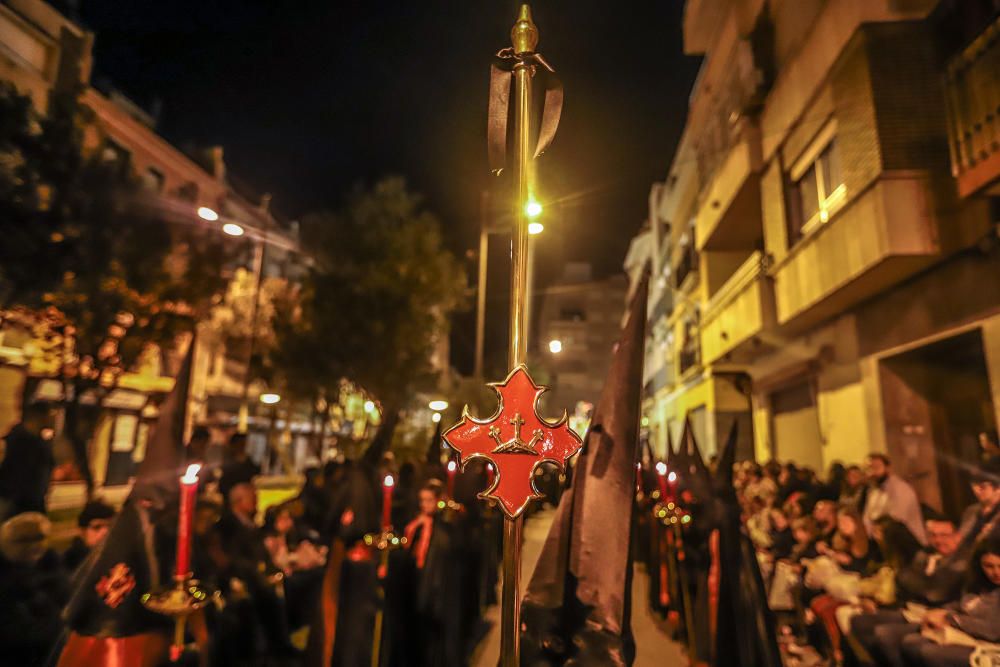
<point>311,97</point>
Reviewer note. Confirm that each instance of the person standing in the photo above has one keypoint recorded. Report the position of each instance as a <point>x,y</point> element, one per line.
<point>890,495</point>
<point>26,469</point>
<point>238,468</point>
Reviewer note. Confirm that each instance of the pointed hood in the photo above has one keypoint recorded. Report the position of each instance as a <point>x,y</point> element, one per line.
<point>131,561</point>
<point>588,603</point>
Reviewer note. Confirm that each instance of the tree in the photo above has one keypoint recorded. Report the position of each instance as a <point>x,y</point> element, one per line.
<point>88,257</point>
<point>375,302</point>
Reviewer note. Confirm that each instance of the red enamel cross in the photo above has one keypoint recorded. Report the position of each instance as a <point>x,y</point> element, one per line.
<point>515,440</point>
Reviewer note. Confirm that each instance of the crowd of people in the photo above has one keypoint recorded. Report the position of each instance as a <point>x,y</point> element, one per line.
<point>266,568</point>
<point>859,572</point>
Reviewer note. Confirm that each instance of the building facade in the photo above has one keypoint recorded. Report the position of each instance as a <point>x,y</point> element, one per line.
<point>826,239</point>
<point>42,51</point>
<point>579,322</point>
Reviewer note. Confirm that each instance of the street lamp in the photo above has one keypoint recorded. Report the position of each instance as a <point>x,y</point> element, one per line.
<point>436,417</point>
<point>206,213</point>
<point>233,229</point>
<point>555,346</point>
<point>270,398</point>
<point>533,209</point>
<point>535,228</point>
<point>438,405</point>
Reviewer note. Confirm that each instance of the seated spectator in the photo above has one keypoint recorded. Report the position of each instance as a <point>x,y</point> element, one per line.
<point>825,515</point>
<point>781,534</point>
<point>890,495</point>
<point>33,590</point>
<point>946,636</point>
<point>759,523</point>
<point>913,580</point>
<point>92,527</point>
<point>759,486</point>
<point>989,445</point>
<point>855,489</point>
<point>804,537</point>
<point>853,551</point>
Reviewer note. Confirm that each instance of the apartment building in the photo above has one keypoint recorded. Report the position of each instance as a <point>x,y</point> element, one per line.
<point>42,51</point>
<point>826,237</point>
<point>579,322</point>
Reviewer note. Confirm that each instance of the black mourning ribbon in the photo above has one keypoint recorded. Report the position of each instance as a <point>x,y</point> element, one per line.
<point>501,78</point>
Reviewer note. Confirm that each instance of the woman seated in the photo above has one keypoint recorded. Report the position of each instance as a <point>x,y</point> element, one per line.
<point>854,552</point>
<point>949,635</point>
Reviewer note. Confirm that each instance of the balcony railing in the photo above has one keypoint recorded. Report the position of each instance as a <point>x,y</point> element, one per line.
<point>973,97</point>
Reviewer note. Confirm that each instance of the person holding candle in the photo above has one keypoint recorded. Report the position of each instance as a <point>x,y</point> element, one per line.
<point>431,543</point>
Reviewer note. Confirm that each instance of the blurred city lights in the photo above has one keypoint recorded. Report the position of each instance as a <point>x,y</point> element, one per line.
<point>436,417</point>
<point>555,346</point>
<point>232,229</point>
<point>535,228</point>
<point>205,213</point>
<point>661,468</point>
<point>270,398</point>
<point>438,405</point>
<point>533,209</point>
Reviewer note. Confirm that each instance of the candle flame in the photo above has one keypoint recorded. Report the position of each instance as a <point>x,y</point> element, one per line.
<point>389,482</point>
<point>661,468</point>
<point>451,466</point>
<point>191,475</point>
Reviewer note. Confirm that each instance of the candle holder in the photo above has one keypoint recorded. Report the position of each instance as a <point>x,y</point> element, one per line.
<point>671,514</point>
<point>179,602</point>
<point>385,541</point>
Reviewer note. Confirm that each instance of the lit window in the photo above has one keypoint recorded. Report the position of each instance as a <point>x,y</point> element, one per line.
<point>819,191</point>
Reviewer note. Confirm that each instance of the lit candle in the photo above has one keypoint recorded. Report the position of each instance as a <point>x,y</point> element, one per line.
<point>672,478</point>
<point>661,478</point>
<point>189,489</point>
<point>452,467</point>
<point>387,484</point>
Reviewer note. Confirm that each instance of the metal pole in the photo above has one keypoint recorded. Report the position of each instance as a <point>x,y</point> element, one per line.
<point>484,247</point>
<point>524,37</point>
<point>258,270</point>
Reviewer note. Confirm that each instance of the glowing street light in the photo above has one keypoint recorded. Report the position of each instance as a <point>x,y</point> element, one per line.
<point>672,477</point>
<point>369,406</point>
<point>555,346</point>
<point>535,228</point>
<point>436,417</point>
<point>438,405</point>
<point>661,468</point>
<point>206,213</point>
<point>270,398</point>
<point>533,209</point>
<point>233,229</point>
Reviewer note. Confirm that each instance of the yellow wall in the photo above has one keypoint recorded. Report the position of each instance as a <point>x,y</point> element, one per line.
<point>843,415</point>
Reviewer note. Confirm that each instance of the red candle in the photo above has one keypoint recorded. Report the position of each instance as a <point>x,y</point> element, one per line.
<point>452,468</point>
<point>387,485</point>
<point>189,489</point>
<point>638,477</point>
<point>661,478</point>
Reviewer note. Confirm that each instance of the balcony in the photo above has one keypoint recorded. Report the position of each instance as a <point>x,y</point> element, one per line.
<point>883,235</point>
<point>741,309</point>
<point>972,88</point>
<point>729,217</point>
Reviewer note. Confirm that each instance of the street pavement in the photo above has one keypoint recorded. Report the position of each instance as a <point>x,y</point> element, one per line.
<point>653,645</point>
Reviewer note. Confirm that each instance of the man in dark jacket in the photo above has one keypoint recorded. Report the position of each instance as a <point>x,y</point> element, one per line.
<point>27,464</point>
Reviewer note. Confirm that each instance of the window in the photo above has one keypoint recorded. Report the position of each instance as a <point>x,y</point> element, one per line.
<point>152,180</point>
<point>115,153</point>
<point>818,191</point>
